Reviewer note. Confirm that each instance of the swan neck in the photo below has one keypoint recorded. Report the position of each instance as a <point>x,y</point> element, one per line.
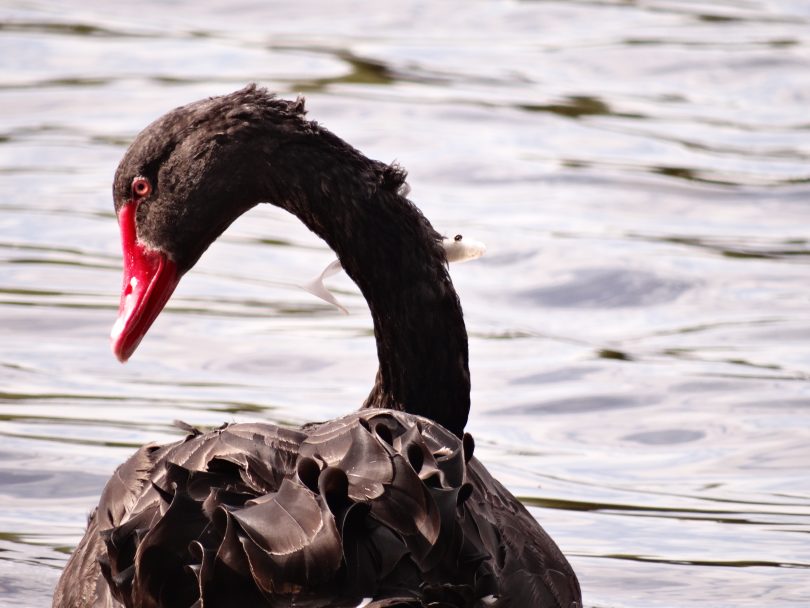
<point>394,255</point>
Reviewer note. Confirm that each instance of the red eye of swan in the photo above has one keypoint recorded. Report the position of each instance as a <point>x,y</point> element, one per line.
<point>141,187</point>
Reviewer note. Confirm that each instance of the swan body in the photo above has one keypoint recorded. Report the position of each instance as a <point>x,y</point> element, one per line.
<point>385,507</point>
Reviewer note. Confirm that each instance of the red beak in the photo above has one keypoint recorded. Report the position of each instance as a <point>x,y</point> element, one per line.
<point>149,280</point>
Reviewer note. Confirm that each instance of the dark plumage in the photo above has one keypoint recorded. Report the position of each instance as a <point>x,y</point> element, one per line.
<point>385,505</point>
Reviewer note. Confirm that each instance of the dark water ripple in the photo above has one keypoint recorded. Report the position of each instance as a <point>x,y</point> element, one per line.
<point>638,170</point>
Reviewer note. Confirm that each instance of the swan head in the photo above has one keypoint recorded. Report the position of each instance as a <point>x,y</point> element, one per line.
<point>181,183</point>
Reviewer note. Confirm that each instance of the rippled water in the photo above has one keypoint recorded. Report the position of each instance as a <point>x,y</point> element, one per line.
<point>639,327</point>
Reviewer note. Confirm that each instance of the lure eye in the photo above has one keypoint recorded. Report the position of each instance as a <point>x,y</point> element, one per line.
<point>141,188</point>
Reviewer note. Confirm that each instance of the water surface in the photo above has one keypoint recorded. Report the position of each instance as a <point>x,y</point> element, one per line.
<point>638,329</point>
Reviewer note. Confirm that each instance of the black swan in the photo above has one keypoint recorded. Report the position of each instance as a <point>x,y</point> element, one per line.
<point>384,507</point>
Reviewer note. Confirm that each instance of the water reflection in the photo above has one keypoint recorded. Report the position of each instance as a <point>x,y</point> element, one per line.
<point>608,288</point>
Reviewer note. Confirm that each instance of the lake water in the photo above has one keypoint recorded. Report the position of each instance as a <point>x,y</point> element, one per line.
<point>639,327</point>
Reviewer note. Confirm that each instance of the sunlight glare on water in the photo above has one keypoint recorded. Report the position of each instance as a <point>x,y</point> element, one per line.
<point>638,327</point>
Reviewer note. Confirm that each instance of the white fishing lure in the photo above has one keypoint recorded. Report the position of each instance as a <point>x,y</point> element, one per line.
<point>457,249</point>
<point>318,289</point>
